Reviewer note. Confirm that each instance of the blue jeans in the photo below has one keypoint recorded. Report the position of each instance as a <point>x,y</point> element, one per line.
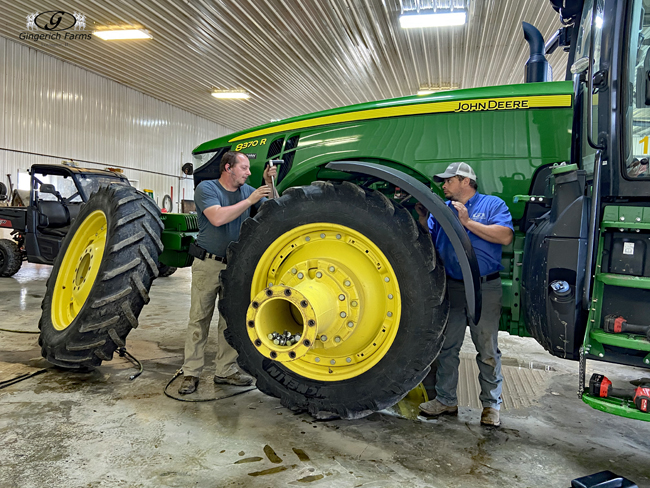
<point>484,336</point>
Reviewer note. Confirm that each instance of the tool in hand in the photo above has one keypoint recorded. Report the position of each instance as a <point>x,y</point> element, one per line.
<point>616,324</point>
<point>600,386</point>
<point>277,162</point>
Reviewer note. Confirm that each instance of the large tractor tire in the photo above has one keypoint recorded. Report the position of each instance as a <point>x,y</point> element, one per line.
<point>351,273</point>
<point>10,258</point>
<point>101,278</point>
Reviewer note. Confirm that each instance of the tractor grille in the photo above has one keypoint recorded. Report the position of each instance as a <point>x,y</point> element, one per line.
<point>292,143</point>
<point>275,148</point>
<point>286,167</point>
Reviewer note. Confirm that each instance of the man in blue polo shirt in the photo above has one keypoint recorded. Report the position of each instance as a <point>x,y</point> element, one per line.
<point>489,227</point>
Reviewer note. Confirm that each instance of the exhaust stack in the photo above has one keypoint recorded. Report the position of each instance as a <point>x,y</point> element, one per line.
<point>537,67</point>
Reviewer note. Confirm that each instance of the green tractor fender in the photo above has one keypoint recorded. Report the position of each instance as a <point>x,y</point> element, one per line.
<point>441,212</point>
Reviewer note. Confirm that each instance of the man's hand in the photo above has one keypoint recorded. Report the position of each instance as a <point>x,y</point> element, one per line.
<point>268,173</point>
<point>463,215</point>
<point>423,213</point>
<point>257,195</point>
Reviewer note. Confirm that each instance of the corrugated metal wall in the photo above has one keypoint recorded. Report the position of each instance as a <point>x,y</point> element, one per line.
<point>60,111</point>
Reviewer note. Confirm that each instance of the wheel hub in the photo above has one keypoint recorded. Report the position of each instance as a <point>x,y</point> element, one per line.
<point>79,269</point>
<point>336,290</point>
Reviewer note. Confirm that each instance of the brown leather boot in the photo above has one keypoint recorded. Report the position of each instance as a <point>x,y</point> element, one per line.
<point>235,379</point>
<point>490,417</point>
<point>435,408</point>
<point>188,385</point>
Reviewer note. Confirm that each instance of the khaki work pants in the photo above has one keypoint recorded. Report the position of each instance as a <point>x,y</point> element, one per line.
<point>206,287</point>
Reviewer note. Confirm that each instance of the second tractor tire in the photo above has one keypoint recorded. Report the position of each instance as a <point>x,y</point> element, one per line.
<point>101,278</point>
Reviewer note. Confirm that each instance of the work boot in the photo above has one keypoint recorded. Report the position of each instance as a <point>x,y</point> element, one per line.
<point>188,385</point>
<point>490,417</point>
<point>235,379</point>
<point>434,408</point>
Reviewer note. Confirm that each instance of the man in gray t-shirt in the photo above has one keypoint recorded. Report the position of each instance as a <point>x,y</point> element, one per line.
<point>222,205</point>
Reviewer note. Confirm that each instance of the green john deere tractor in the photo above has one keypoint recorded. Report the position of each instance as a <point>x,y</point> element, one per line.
<point>340,260</point>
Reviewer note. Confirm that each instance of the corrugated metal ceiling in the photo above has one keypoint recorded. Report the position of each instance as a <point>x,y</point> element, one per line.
<point>293,56</point>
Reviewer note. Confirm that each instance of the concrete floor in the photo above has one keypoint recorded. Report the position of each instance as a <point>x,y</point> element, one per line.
<point>101,429</point>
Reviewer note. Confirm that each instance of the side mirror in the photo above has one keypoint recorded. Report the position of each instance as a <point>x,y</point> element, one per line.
<point>47,188</point>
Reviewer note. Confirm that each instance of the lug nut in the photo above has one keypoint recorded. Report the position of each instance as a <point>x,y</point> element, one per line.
<point>348,360</point>
<point>347,283</point>
<point>270,336</point>
<point>337,339</point>
<point>322,236</point>
<point>343,315</point>
<point>331,268</point>
<point>311,323</point>
<point>323,338</point>
<point>301,276</point>
<point>306,343</point>
<point>354,304</point>
<point>350,324</point>
<point>276,342</point>
<point>332,361</point>
<point>294,270</point>
<point>319,275</point>
<point>341,297</point>
<point>317,360</point>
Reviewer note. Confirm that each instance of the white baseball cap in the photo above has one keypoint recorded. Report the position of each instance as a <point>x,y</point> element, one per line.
<point>456,169</point>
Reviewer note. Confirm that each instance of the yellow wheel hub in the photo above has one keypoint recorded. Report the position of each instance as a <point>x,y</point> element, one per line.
<point>334,293</point>
<point>79,270</point>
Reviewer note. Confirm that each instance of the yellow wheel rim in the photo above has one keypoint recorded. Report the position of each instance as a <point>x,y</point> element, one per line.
<point>78,270</point>
<point>333,286</point>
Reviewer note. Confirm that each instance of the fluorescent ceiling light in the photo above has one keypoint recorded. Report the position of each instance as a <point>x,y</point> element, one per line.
<point>440,19</point>
<point>425,92</point>
<point>122,34</point>
<point>230,94</point>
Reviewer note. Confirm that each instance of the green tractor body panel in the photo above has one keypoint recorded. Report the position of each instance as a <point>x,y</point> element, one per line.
<point>504,132</point>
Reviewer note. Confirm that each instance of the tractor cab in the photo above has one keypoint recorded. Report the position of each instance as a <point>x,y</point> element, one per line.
<point>592,299</point>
